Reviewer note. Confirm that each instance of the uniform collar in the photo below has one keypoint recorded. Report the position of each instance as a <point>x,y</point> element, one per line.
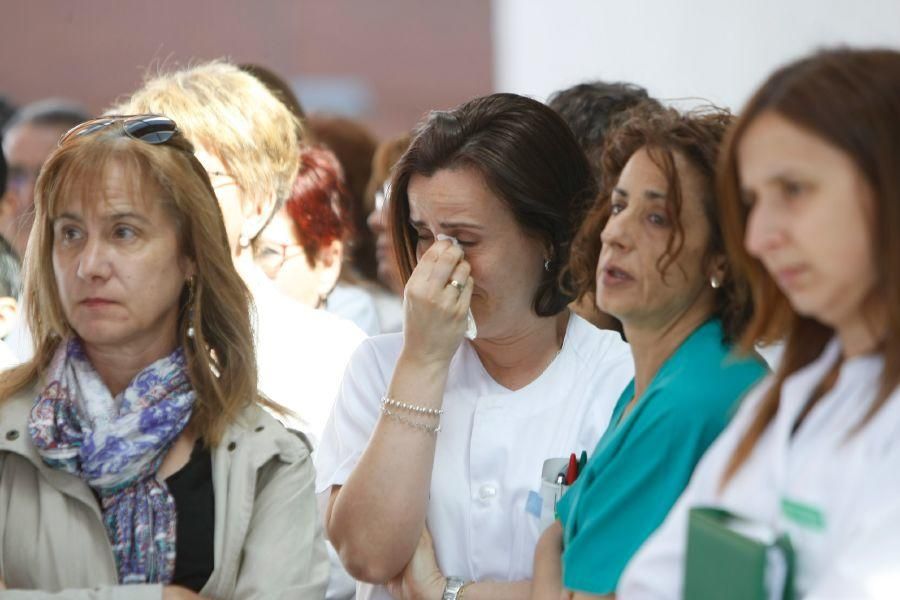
<point>864,369</point>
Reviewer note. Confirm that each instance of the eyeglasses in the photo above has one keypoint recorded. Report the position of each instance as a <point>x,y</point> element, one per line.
<point>152,129</point>
<point>271,256</point>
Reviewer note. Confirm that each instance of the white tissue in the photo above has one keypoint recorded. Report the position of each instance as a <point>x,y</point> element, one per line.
<point>471,329</point>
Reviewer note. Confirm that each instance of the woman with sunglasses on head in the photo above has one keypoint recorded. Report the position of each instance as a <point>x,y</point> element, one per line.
<point>651,252</point>
<point>136,460</point>
<point>810,196</point>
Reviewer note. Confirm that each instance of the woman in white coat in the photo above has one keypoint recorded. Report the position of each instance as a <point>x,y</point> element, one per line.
<point>436,433</point>
<point>810,193</point>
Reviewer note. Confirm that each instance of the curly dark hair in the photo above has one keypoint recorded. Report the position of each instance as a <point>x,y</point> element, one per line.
<point>696,135</point>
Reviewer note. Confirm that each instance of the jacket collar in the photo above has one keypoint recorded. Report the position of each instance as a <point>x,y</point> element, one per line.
<point>254,438</point>
<point>14,438</point>
<point>14,414</point>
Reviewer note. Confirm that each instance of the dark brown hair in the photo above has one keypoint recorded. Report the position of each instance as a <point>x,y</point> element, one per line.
<point>850,99</point>
<point>527,157</point>
<point>591,109</point>
<point>280,88</point>
<point>696,136</point>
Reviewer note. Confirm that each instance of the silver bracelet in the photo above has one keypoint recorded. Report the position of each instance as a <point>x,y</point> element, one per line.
<point>422,410</point>
<point>432,429</point>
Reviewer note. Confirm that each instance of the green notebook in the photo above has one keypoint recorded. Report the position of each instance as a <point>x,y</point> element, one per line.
<point>731,557</point>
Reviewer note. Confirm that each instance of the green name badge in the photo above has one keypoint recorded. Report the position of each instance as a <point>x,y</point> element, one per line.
<point>804,515</point>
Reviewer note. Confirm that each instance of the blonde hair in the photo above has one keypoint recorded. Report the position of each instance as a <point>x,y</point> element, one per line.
<point>220,355</point>
<point>235,117</point>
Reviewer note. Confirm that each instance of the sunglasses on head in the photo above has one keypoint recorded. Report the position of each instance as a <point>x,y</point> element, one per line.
<point>152,129</point>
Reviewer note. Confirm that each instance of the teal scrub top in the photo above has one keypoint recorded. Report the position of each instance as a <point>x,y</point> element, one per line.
<point>644,461</point>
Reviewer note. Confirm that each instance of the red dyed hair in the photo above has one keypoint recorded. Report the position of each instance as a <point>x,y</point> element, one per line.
<point>317,204</point>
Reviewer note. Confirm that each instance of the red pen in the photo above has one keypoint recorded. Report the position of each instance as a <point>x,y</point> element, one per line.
<point>572,471</point>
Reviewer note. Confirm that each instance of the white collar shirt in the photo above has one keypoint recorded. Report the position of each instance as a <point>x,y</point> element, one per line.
<point>354,303</point>
<point>301,354</point>
<point>844,481</point>
<point>492,444</point>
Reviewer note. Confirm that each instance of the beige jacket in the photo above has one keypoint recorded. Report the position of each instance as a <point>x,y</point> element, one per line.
<point>268,538</point>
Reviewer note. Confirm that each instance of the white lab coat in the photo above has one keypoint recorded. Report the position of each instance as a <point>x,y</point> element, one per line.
<point>492,444</point>
<point>301,354</point>
<point>850,479</point>
<point>355,303</point>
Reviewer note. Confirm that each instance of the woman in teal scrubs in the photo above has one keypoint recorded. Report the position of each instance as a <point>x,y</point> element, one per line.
<point>653,254</point>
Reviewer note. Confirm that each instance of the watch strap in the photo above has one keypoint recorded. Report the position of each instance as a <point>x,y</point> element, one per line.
<point>452,588</point>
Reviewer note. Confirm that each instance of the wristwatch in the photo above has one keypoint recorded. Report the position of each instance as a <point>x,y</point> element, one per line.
<point>452,588</point>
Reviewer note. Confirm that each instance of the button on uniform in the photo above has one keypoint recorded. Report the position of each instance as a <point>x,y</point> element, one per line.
<point>487,492</point>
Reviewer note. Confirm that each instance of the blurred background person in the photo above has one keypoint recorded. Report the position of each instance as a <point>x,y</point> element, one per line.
<point>350,298</point>
<point>590,109</point>
<point>136,460</point>
<point>280,88</point>
<point>388,293</point>
<point>10,287</point>
<point>29,137</point>
<point>653,252</point>
<point>301,249</point>
<point>354,145</point>
<point>252,157</point>
<point>353,297</point>
<point>810,199</point>
<point>313,222</point>
<point>436,441</point>
<point>7,110</point>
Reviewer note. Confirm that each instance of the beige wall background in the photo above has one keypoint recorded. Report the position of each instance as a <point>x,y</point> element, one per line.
<point>395,59</point>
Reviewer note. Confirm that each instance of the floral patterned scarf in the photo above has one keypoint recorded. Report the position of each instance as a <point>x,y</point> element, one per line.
<point>116,445</point>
